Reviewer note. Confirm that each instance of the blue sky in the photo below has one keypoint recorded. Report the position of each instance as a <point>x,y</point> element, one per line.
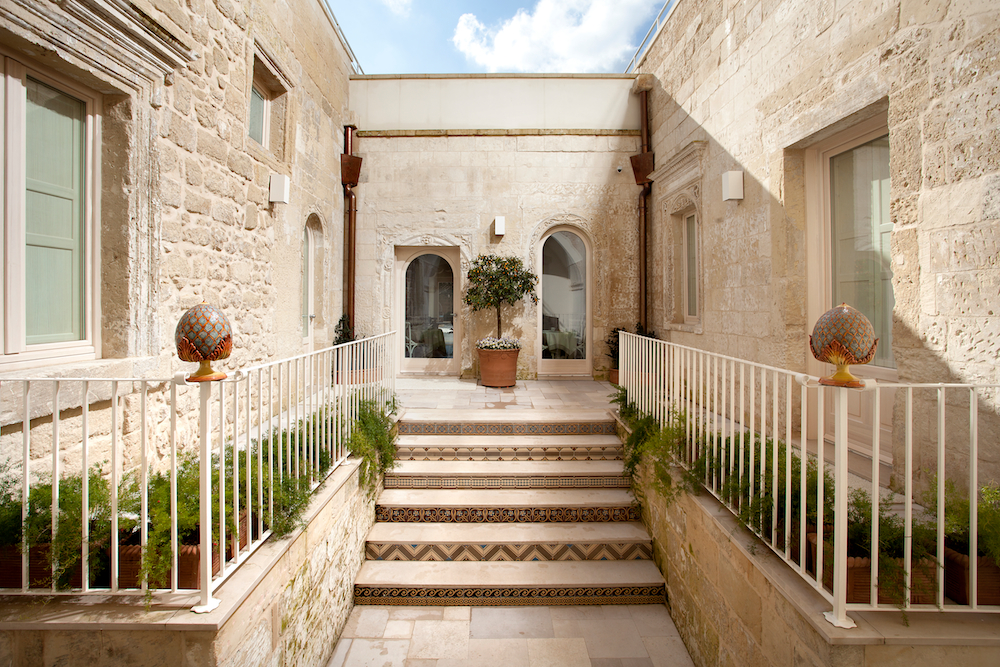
<point>456,36</point>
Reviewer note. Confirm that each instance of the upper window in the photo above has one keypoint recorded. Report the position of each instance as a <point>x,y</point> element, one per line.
<point>860,231</point>
<point>48,215</point>
<point>266,113</point>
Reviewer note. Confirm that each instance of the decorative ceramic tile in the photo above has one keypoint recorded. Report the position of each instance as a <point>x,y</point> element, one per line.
<point>506,482</point>
<point>506,428</point>
<point>505,515</point>
<point>492,596</point>
<point>508,552</point>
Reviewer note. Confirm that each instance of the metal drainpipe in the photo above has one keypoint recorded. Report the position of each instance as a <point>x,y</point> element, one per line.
<point>646,187</point>
<point>351,202</point>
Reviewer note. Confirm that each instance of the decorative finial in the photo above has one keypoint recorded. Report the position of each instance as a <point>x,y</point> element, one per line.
<point>204,335</point>
<point>843,336</point>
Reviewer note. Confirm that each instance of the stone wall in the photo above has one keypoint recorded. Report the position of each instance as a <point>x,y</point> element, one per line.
<point>184,212</point>
<point>735,602</point>
<point>756,86</point>
<point>287,605</point>
<point>447,190</point>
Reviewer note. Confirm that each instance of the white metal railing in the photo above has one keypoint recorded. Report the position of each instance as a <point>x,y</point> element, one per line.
<point>651,34</point>
<point>750,433</point>
<point>85,506</point>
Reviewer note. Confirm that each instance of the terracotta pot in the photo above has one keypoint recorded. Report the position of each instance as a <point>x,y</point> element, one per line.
<point>39,568</point>
<point>923,585</point>
<point>956,578</point>
<point>613,376</point>
<point>498,368</point>
<point>188,567</point>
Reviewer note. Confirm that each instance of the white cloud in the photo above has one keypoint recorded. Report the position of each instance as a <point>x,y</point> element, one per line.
<point>399,7</point>
<point>558,36</point>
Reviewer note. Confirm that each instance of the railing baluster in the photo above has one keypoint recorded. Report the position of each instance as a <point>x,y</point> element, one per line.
<point>85,495</point>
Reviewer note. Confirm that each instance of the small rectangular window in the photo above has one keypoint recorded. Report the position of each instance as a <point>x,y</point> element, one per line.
<point>690,268</point>
<point>257,121</point>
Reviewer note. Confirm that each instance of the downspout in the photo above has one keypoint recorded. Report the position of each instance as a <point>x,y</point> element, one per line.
<point>642,167</point>
<point>350,170</point>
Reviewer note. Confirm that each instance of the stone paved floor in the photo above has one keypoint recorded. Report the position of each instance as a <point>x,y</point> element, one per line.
<point>453,393</point>
<point>595,636</point>
<point>591,636</point>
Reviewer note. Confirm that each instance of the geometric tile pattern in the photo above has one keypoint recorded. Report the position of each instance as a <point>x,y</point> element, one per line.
<point>507,428</point>
<point>505,482</point>
<point>494,596</point>
<point>422,452</point>
<point>505,514</point>
<point>508,552</point>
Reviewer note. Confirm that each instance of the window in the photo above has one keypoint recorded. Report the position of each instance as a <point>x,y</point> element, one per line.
<point>49,246</point>
<point>307,283</point>
<point>690,281</point>
<point>266,113</point>
<point>860,231</point>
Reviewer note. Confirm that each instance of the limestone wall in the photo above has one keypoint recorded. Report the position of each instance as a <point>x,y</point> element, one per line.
<point>758,87</point>
<point>447,191</point>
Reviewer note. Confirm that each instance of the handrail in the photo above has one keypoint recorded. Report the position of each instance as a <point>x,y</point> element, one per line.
<point>747,426</point>
<point>654,29</point>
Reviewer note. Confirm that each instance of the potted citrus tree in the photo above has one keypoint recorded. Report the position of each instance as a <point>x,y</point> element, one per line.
<point>494,281</point>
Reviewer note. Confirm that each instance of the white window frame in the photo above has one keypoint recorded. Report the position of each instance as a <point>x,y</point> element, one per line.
<point>308,289</point>
<point>17,353</point>
<point>265,94</point>
<point>689,273</point>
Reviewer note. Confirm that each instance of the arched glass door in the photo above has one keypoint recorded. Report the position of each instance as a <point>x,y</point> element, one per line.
<point>565,347</point>
<point>429,314</point>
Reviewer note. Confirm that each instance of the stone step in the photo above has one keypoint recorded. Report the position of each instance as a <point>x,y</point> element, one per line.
<point>505,506</point>
<point>508,447</point>
<point>509,583</point>
<point>508,542</point>
<point>502,422</point>
<point>506,475</point>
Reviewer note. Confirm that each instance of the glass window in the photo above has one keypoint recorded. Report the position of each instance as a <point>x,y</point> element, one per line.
<point>46,215</point>
<point>564,297</point>
<point>861,230</point>
<point>690,267</point>
<point>306,284</point>
<point>430,305</point>
<point>257,115</point>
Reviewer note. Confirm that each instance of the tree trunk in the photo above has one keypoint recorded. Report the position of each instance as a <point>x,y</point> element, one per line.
<point>499,335</point>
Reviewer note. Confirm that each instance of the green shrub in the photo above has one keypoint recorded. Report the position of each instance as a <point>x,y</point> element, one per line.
<point>372,441</point>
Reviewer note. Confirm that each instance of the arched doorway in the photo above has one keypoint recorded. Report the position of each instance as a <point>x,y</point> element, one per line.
<point>564,315</point>
<point>429,291</point>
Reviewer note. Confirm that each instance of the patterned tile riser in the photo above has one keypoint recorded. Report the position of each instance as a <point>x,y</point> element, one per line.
<point>513,596</point>
<point>508,552</point>
<point>615,482</point>
<point>511,428</point>
<point>505,515</point>
<point>420,453</point>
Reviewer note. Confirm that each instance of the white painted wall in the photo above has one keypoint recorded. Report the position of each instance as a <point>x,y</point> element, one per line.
<point>504,101</point>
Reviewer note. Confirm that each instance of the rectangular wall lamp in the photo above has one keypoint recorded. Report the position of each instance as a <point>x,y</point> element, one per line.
<point>499,225</point>
<point>732,185</point>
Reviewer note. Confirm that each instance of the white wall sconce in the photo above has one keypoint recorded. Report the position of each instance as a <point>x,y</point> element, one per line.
<point>732,185</point>
<point>280,187</point>
<point>499,225</point>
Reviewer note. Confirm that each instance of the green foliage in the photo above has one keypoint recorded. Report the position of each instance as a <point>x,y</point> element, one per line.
<point>957,511</point>
<point>344,333</point>
<point>10,506</point>
<point>611,340</point>
<point>65,551</point>
<point>494,281</point>
<point>372,441</point>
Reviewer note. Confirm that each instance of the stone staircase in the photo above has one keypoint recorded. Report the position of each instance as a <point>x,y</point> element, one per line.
<point>499,508</point>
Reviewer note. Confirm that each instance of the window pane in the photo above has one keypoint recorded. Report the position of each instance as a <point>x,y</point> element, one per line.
<point>306,287</point>
<point>859,213</point>
<point>691,265</point>
<point>430,305</point>
<point>564,297</point>
<point>54,215</point>
<point>256,120</point>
